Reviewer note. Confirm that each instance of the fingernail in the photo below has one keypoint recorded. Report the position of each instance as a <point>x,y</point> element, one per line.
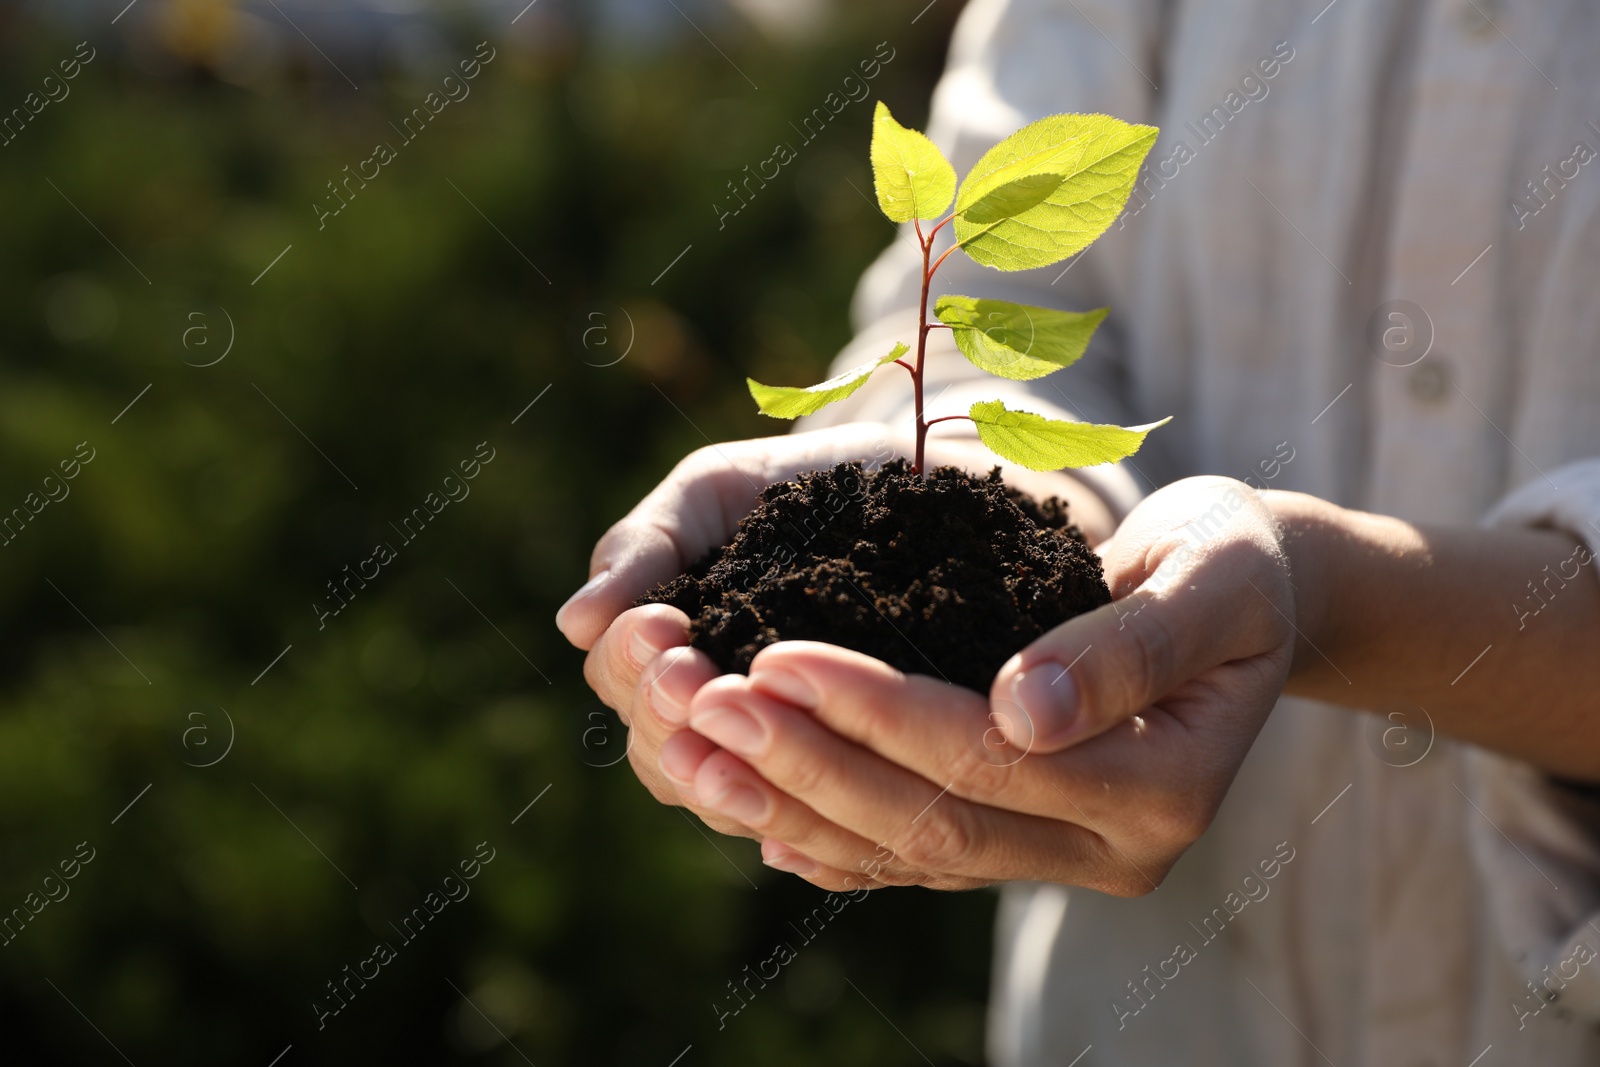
<point>671,690</point>
<point>640,650</point>
<point>585,590</point>
<point>740,802</point>
<point>1048,697</point>
<point>790,688</point>
<point>792,863</point>
<point>733,728</point>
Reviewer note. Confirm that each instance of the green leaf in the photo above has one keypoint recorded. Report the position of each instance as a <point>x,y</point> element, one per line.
<point>790,402</point>
<point>913,179</point>
<point>1047,191</point>
<point>1042,444</point>
<point>1015,340</point>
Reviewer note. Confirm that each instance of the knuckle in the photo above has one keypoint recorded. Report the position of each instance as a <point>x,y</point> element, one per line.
<point>607,544</point>
<point>1152,653</point>
<point>875,720</point>
<point>1117,873</point>
<point>1182,816</point>
<point>1130,884</point>
<point>877,727</point>
<point>644,755</point>
<point>939,840</point>
<point>601,674</point>
<point>591,670</point>
<point>804,775</point>
<point>981,774</point>
<point>698,463</point>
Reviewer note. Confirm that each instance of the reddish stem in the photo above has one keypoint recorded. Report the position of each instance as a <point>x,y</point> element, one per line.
<point>947,418</point>
<point>922,352</point>
<point>922,334</point>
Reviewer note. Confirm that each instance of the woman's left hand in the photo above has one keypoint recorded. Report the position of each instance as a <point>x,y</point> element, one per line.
<point>1102,753</point>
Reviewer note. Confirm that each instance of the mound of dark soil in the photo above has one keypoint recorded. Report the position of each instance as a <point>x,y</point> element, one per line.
<point>947,577</point>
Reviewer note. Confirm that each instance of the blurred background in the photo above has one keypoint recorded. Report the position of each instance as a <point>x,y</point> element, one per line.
<point>237,350</point>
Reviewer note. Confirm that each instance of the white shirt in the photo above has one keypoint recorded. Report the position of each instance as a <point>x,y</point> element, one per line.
<point>1317,164</point>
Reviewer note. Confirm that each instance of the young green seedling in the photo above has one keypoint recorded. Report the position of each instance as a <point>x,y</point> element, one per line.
<point>1041,195</point>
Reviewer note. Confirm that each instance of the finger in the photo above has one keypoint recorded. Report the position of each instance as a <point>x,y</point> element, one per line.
<point>1100,669</point>
<point>645,761</point>
<point>660,710</point>
<point>666,682</point>
<point>646,555</point>
<point>721,783</point>
<point>783,857</point>
<point>925,829</point>
<point>713,781</point>
<point>668,772</point>
<point>726,785</point>
<point>945,733</point>
<point>695,508</point>
<point>1135,790</point>
<point>617,659</point>
<point>684,517</point>
<point>666,686</point>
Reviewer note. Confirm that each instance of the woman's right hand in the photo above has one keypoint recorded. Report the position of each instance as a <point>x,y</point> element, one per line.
<point>639,662</point>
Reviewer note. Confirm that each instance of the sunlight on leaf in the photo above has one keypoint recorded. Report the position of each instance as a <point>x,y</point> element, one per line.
<point>913,179</point>
<point>1015,340</point>
<point>790,402</point>
<point>1042,444</point>
<point>1048,190</point>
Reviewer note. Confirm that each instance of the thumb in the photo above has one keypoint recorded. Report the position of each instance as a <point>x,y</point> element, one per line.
<point>632,558</point>
<point>1190,610</point>
<point>1094,671</point>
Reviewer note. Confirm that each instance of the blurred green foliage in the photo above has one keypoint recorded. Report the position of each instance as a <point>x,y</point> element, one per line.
<point>141,611</point>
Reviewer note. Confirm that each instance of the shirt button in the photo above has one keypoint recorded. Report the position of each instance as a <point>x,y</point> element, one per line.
<point>1478,17</point>
<point>1429,381</point>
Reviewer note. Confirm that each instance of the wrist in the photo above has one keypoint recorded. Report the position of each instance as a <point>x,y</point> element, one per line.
<point>1307,529</point>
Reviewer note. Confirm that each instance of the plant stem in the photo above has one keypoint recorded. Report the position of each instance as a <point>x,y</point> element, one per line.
<point>922,336</point>
<point>922,352</point>
<point>940,261</point>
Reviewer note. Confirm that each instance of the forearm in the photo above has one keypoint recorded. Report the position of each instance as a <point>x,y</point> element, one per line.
<point>1494,632</point>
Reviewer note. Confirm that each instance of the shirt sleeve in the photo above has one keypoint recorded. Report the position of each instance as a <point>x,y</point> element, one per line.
<point>1012,62</point>
<point>1537,842</point>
